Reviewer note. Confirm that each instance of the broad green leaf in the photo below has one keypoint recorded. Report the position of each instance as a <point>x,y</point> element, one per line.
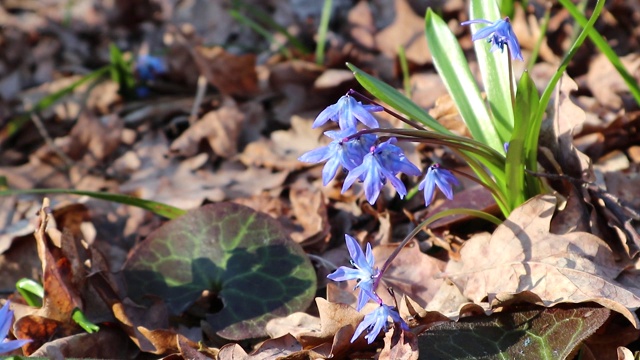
<point>396,100</point>
<point>161,209</point>
<point>526,107</point>
<point>547,334</point>
<point>456,75</point>
<point>242,256</point>
<point>494,67</point>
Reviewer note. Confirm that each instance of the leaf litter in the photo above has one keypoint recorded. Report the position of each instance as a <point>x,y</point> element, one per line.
<point>574,253</point>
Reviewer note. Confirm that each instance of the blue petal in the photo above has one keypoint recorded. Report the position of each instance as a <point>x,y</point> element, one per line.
<point>329,170</point>
<point>483,33</point>
<point>344,273</point>
<point>356,252</point>
<point>316,155</point>
<point>329,113</point>
<point>428,184</point>
<point>5,320</point>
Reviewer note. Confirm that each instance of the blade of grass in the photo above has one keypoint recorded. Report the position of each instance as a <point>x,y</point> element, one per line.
<point>322,31</point>
<point>494,67</point>
<point>266,19</point>
<point>456,75</point>
<point>158,208</point>
<point>531,144</point>
<point>603,46</point>
<point>242,19</point>
<point>15,124</point>
<point>404,66</point>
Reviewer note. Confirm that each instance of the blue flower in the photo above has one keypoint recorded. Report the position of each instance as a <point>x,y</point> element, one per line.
<point>443,178</point>
<point>364,272</point>
<point>148,67</point>
<point>382,163</point>
<point>6,317</point>
<point>499,34</point>
<point>347,112</point>
<point>376,321</point>
<point>339,152</point>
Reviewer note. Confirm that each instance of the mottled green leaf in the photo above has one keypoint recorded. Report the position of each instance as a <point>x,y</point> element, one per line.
<point>242,256</point>
<point>547,333</point>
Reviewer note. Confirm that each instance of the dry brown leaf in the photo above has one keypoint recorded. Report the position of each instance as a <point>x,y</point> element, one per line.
<point>605,81</point>
<point>293,324</point>
<point>412,273</point>
<point>282,150</point>
<point>310,209</point>
<point>333,317</point>
<point>407,30</point>
<point>220,128</point>
<point>399,345</point>
<point>522,255</point>
<point>106,343</point>
<point>231,74</point>
<point>283,346</point>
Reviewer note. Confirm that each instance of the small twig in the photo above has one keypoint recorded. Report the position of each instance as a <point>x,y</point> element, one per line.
<point>49,141</point>
<point>202,87</point>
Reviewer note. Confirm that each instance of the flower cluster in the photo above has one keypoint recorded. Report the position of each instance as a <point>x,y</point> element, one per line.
<point>366,275</point>
<point>6,318</point>
<point>364,156</point>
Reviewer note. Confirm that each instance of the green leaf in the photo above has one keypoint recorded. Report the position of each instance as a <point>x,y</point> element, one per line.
<point>550,334</point>
<point>161,209</point>
<point>602,45</point>
<point>396,100</point>
<point>242,256</point>
<point>494,67</point>
<point>526,107</point>
<point>121,72</point>
<point>532,156</point>
<point>18,122</point>
<point>454,70</point>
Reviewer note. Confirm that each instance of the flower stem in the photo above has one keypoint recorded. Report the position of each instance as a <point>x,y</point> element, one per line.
<point>425,223</point>
<point>409,122</point>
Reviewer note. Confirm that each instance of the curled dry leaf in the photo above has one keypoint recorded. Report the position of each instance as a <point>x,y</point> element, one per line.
<point>522,255</point>
<point>220,128</point>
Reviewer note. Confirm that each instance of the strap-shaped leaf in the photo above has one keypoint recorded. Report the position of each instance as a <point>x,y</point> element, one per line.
<point>494,67</point>
<point>454,70</point>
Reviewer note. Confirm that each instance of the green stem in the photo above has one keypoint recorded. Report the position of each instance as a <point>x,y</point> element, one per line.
<point>543,34</point>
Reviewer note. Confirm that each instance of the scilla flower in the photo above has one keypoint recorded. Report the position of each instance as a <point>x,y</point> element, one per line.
<point>382,163</point>
<point>364,272</point>
<point>6,317</point>
<point>499,34</point>
<point>340,152</point>
<point>347,112</point>
<point>376,321</point>
<point>436,176</point>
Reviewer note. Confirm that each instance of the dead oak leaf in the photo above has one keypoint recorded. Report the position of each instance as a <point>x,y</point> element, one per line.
<point>522,255</point>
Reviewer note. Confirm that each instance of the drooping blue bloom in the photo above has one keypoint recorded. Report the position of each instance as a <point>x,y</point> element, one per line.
<point>347,112</point>
<point>364,272</point>
<point>376,321</point>
<point>6,318</point>
<point>149,66</point>
<point>437,176</point>
<point>382,163</point>
<point>505,146</point>
<point>499,34</point>
<point>348,154</point>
